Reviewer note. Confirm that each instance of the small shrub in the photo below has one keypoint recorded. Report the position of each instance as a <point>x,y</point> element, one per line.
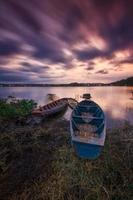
<point>13,110</point>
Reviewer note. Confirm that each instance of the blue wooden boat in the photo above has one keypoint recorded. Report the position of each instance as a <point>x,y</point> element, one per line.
<point>87,126</point>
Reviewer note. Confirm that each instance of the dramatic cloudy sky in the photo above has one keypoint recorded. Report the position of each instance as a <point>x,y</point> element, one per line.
<point>61,41</point>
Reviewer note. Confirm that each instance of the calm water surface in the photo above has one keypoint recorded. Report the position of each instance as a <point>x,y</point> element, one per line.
<point>116,102</point>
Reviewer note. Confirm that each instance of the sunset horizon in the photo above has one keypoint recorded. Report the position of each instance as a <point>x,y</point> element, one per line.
<point>64,83</point>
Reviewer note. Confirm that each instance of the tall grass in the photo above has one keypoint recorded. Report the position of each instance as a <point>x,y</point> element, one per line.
<point>109,177</point>
<point>39,163</point>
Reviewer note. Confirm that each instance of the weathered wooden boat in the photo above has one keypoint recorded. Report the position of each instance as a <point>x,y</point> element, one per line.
<point>87,126</point>
<point>72,102</point>
<point>51,108</point>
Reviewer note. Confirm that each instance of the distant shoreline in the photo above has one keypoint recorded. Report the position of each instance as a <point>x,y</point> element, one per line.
<point>124,82</point>
<point>28,85</point>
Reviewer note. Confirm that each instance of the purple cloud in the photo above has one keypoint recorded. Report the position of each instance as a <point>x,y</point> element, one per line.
<point>49,27</point>
<point>103,71</point>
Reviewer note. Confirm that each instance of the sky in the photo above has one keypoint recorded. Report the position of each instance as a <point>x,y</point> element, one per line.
<point>63,41</point>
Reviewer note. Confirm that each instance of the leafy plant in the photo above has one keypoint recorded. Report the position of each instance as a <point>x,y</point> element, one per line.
<point>21,108</point>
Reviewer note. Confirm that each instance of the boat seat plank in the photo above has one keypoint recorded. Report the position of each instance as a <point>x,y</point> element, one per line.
<point>87,106</point>
<point>83,117</point>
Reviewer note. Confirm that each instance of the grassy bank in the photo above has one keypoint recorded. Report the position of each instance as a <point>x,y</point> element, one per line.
<point>38,163</point>
<point>14,110</point>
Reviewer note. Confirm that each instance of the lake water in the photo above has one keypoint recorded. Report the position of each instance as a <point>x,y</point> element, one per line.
<point>116,102</point>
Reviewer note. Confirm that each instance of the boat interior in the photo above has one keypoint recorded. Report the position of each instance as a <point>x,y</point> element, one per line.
<point>87,120</point>
<point>52,104</point>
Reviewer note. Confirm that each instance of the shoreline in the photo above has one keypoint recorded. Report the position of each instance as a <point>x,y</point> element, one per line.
<point>38,162</point>
<point>67,86</point>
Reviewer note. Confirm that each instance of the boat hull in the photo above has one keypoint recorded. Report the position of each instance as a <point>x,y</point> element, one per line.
<point>87,151</point>
<point>53,110</point>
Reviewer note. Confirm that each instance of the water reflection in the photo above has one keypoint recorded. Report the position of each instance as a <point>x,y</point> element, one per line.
<point>115,101</point>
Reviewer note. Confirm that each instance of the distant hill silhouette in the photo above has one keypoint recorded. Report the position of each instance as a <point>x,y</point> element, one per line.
<point>123,82</point>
